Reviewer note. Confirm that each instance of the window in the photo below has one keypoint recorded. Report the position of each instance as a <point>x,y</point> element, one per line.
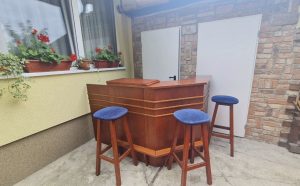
<point>97,24</point>
<point>51,15</point>
<point>62,19</point>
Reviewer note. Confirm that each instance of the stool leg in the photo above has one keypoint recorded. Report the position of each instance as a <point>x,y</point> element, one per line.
<point>129,140</point>
<point>192,151</point>
<point>213,120</point>
<point>173,146</point>
<point>231,132</point>
<point>185,156</point>
<point>98,150</point>
<point>204,130</point>
<point>114,143</point>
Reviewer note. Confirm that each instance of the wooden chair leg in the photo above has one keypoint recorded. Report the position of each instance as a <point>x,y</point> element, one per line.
<point>231,132</point>
<point>192,151</point>
<point>114,143</point>
<point>185,156</point>
<point>98,150</point>
<point>173,146</point>
<point>213,120</point>
<point>205,131</point>
<point>129,140</point>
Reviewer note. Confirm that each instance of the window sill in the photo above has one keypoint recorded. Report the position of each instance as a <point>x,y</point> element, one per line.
<point>71,71</point>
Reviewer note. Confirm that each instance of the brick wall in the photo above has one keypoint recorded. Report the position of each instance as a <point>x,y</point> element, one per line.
<point>277,61</point>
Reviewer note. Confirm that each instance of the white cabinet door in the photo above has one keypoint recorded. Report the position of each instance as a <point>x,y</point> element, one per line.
<point>160,50</point>
<point>227,52</point>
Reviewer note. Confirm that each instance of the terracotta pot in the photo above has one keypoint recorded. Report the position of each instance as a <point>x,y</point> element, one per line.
<point>38,66</point>
<point>115,64</point>
<point>84,64</point>
<point>101,64</point>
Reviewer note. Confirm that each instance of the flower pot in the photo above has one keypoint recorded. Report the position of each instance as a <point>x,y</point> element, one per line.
<point>101,64</point>
<point>38,66</point>
<point>84,64</point>
<point>115,64</point>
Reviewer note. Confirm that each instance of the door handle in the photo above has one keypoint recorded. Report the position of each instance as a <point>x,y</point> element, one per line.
<point>173,77</point>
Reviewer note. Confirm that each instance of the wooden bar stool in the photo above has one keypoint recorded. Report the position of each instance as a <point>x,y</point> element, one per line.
<point>189,118</point>
<point>111,114</point>
<point>226,101</point>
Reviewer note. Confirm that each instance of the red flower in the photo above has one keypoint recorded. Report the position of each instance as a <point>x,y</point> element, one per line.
<point>53,50</point>
<point>34,31</point>
<point>18,42</point>
<point>73,57</point>
<point>43,38</point>
<point>98,50</point>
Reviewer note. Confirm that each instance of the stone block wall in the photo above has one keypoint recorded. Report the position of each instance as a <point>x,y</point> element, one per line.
<point>277,60</point>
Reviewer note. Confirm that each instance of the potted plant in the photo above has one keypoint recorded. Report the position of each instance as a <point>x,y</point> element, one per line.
<point>12,67</point>
<point>84,63</point>
<point>104,57</point>
<point>33,45</point>
<point>117,60</point>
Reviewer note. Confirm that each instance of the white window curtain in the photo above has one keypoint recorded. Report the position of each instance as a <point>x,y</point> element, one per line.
<point>97,24</point>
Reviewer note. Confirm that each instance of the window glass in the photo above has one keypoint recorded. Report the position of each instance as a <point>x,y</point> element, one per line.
<point>97,25</point>
<point>52,15</point>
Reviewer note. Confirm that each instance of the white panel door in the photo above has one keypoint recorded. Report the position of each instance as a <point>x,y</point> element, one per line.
<point>227,52</point>
<point>160,50</point>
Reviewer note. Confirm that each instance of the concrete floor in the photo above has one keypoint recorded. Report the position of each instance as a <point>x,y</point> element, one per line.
<point>255,163</point>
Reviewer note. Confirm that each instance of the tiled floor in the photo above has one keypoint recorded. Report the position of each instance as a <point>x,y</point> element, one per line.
<point>255,163</point>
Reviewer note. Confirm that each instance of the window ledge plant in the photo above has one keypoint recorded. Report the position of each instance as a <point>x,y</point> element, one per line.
<point>33,45</point>
<point>106,58</point>
<point>83,63</point>
<point>12,66</point>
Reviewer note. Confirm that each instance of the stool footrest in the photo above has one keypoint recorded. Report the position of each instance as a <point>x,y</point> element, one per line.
<point>111,160</point>
<point>105,149</point>
<point>196,166</point>
<point>221,127</point>
<point>199,153</point>
<point>177,159</point>
<point>220,135</point>
<point>125,154</point>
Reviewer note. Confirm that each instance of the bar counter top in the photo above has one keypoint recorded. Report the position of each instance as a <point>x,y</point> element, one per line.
<point>152,83</point>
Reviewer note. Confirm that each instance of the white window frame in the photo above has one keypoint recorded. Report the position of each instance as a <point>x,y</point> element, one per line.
<point>75,18</point>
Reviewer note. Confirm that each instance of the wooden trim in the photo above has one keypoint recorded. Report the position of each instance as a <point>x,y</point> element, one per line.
<point>149,101</point>
<point>153,109</point>
<point>155,153</point>
<point>149,115</point>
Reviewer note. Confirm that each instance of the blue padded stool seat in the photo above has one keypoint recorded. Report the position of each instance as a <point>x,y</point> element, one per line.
<point>110,113</point>
<point>192,116</point>
<point>225,100</point>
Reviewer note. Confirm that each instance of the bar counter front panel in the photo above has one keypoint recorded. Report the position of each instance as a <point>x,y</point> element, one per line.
<point>151,104</point>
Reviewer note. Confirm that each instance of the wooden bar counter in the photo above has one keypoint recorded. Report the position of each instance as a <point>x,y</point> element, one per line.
<point>151,104</point>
